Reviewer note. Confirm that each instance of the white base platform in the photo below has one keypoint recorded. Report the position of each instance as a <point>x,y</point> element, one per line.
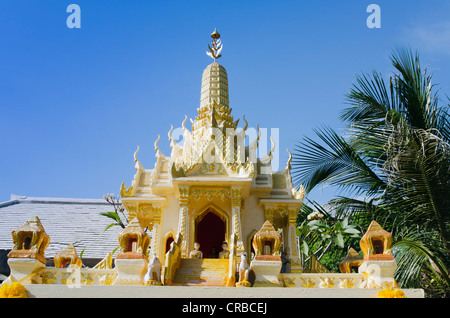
<point>63,291</point>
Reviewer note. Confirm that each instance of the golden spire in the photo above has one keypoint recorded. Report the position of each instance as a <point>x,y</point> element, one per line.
<point>217,46</point>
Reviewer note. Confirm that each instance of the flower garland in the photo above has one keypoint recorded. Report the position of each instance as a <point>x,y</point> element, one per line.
<point>13,290</point>
<point>391,293</point>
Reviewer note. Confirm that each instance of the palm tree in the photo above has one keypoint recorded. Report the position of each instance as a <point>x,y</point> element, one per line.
<point>392,165</point>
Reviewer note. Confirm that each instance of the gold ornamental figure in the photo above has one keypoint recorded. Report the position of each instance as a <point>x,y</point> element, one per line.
<point>214,51</point>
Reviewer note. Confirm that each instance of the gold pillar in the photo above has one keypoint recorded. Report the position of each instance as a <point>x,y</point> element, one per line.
<point>293,247</point>
<point>182,220</point>
<point>236,201</point>
<point>268,214</point>
<point>156,232</point>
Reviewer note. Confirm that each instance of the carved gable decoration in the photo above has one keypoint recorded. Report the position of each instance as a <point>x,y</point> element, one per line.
<point>206,169</point>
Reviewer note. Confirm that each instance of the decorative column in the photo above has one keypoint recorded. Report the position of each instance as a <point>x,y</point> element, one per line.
<point>182,220</point>
<point>293,245</point>
<point>268,214</point>
<point>156,231</point>
<point>236,201</point>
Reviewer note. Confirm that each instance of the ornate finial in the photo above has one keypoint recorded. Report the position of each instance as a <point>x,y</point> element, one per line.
<point>170,133</point>
<point>273,145</point>
<point>217,46</point>
<point>289,160</point>
<point>138,165</point>
<point>135,154</point>
<point>215,34</point>
<point>156,143</point>
<point>183,123</point>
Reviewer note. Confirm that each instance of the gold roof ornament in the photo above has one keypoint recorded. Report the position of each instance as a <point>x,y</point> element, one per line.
<point>215,34</point>
<point>214,51</point>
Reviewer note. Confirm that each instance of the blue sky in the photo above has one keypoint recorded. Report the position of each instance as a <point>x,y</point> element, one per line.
<point>75,103</point>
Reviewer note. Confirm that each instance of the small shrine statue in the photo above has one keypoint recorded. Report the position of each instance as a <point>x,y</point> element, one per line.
<point>153,275</point>
<point>68,258</point>
<point>196,253</point>
<point>376,243</point>
<point>225,253</point>
<point>30,241</point>
<point>351,262</point>
<point>133,241</point>
<point>267,243</point>
<point>243,272</point>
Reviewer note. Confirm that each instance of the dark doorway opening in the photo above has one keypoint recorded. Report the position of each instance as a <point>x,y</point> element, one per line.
<point>210,233</point>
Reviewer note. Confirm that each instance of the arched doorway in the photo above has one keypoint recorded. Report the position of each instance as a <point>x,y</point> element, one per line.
<point>210,232</point>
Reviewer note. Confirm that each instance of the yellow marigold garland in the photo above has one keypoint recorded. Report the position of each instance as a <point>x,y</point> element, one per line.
<point>391,293</point>
<point>14,290</point>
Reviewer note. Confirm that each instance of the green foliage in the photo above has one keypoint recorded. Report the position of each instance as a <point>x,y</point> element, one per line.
<point>118,215</point>
<point>392,166</point>
<point>320,233</point>
<point>114,216</point>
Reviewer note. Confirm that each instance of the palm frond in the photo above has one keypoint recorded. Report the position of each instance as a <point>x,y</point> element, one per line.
<point>419,103</point>
<point>419,170</point>
<point>337,163</point>
<point>370,101</point>
<point>392,166</point>
<point>413,258</point>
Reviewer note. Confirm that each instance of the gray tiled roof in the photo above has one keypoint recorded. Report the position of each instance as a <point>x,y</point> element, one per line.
<point>66,221</point>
